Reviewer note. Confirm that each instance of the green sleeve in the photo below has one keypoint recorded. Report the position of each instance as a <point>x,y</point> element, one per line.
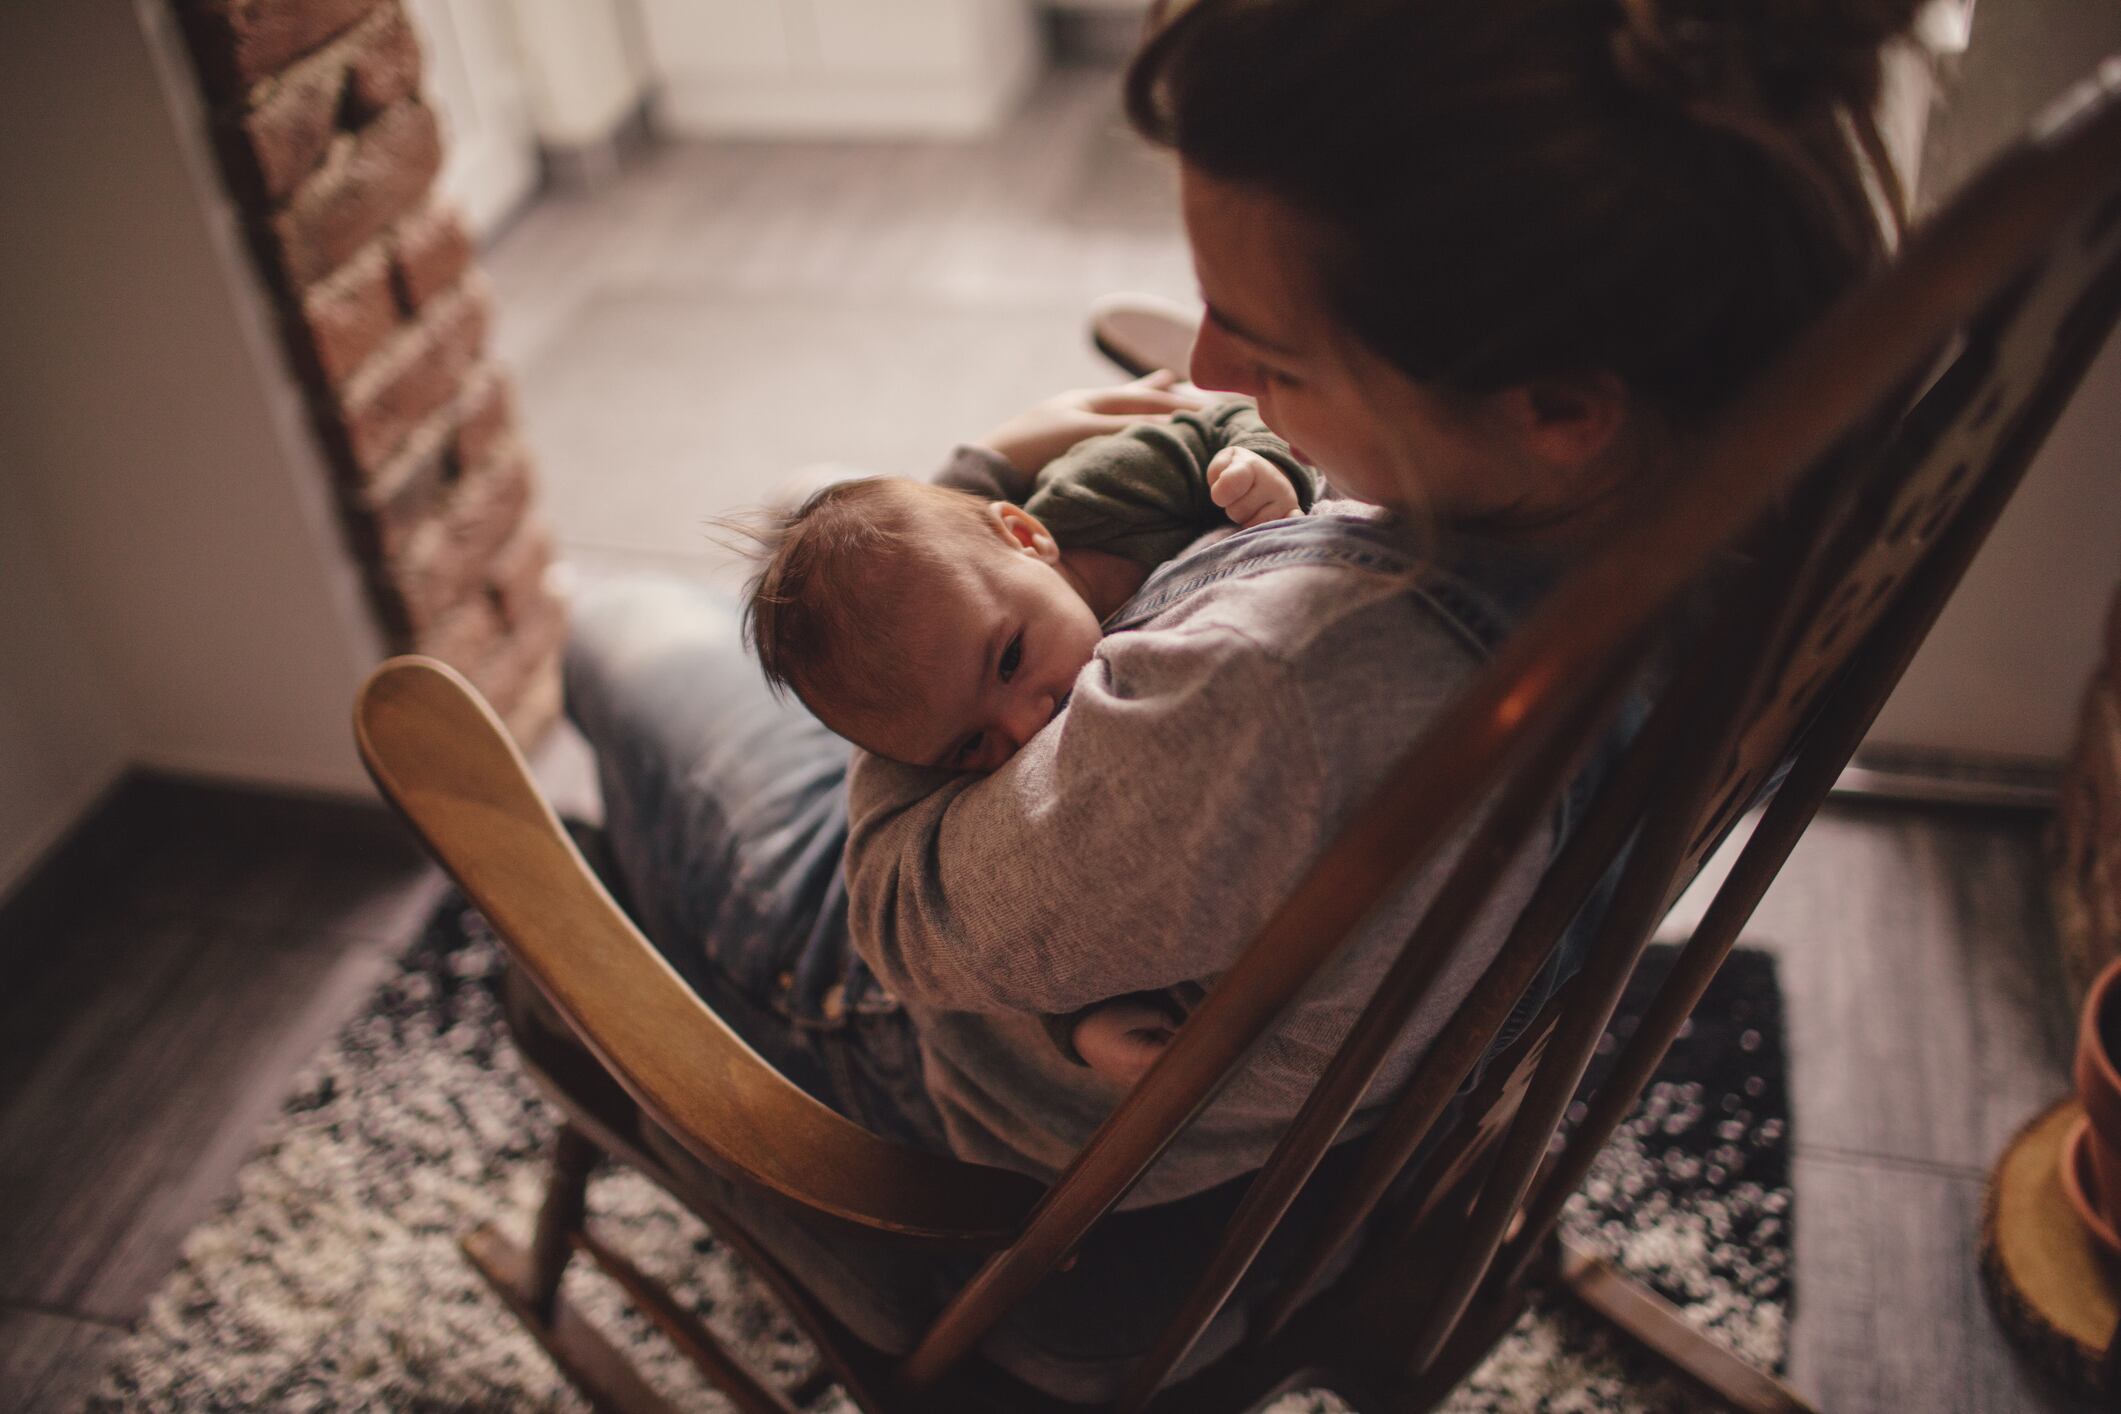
<point>1143,493</point>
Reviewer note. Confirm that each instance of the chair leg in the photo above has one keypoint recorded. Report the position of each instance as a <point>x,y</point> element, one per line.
<point>559,1217</point>
<point>1656,1324</point>
<point>528,1280</point>
<point>589,1361</point>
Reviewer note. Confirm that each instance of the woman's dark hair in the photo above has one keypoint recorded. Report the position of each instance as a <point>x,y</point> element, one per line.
<point>1663,189</point>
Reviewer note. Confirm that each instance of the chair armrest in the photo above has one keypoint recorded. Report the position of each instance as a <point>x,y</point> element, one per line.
<point>442,759</point>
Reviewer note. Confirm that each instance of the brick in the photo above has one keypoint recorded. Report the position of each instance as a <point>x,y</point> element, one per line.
<point>484,418</point>
<point>429,251</point>
<point>240,42</point>
<point>383,68</point>
<point>349,315</point>
<point>489,505</point>
<point>411,490</point>
<point>467,637</point>
<point>366,182</point>
<point>516,574</point>
<point>445,558</point>
<point>287,135</point>
<point>287,126</point>
<point>538,707</point>
<point>507,671</point>
<point>416,483</point>
<point>503,663</point>
<point>420,371</point>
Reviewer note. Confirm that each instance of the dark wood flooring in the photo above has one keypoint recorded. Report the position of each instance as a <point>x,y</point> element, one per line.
<point>156,1002</point>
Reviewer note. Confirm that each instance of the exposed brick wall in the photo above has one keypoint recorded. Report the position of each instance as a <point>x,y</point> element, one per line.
<point>331,155</point>
<point>2086,842</point>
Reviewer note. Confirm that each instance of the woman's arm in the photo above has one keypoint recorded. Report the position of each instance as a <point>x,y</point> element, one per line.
<point>1137,842</point>
<point>1045,430</point>
<point>1150,491</point>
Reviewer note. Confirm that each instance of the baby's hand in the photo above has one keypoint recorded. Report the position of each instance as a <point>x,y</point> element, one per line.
<point>1249,488</point>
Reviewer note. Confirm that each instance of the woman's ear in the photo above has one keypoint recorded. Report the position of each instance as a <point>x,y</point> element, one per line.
<point>1567,423</point>
<point>1023,530</point>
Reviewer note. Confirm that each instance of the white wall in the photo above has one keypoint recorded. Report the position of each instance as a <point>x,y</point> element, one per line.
<point>189,605</point>
<point>62,736</point>
<point>582,79</point>
<point>472,76</point>
<point>2004,671</point>
<point>839,68</point>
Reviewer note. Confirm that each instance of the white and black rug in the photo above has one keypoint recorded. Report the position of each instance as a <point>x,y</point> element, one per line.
<point>332,1280</point>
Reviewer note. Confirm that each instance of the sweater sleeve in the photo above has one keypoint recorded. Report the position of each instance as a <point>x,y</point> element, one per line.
<point>1143,493</point>
<point>1139,841</point>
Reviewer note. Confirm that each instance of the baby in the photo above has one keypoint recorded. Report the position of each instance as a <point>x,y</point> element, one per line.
<point>939,627</point>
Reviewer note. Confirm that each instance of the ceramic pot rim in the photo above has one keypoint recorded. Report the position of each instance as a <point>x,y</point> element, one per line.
<point>2081,1198</point>
<point>2105,990</point>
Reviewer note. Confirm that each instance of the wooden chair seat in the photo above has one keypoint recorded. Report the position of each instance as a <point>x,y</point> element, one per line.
<point>1070,1344</point>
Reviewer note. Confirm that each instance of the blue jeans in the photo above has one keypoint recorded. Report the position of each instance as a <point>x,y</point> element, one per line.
<point>726,812</point>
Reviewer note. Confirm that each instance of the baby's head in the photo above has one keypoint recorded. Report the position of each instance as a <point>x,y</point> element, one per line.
<point>921,623</point>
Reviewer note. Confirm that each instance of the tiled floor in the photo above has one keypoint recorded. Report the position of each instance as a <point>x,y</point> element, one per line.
<point>722,316</point>
<point>731,313</point>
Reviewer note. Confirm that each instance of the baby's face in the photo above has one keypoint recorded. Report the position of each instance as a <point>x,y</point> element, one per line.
<point>994,648</point>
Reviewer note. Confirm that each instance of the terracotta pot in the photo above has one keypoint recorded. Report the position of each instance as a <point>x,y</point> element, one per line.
<point>2098,1076</point>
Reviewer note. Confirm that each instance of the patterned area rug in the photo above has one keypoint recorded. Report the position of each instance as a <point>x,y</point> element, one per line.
<point>332,1280</point>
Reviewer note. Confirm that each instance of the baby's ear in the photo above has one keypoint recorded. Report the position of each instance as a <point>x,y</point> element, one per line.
<point>1023,530</point>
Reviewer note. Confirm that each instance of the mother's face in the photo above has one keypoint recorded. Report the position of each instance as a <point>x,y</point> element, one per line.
<point>1271,335</point>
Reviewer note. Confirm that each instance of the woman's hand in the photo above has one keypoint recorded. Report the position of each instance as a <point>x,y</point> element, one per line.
<point>1042,432</point>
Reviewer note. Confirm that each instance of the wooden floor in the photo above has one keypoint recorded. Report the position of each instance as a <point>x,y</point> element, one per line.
<point>155,1005</point>
<point>723,315</point>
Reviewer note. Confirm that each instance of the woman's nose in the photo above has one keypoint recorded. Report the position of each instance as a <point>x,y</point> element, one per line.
<point>1217,365</point>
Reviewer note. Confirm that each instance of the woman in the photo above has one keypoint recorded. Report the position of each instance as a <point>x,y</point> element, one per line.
<point>1484,262</point>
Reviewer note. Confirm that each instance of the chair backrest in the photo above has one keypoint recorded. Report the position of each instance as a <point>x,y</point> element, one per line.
<point>1777,589</point>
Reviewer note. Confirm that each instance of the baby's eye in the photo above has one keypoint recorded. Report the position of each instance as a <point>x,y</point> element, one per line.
<point>1012,656</point>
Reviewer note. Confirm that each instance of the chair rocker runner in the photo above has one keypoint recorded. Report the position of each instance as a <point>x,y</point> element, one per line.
<point>1789,575</point>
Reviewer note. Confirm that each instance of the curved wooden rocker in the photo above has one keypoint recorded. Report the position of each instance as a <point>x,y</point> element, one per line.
<point>1784,581</point>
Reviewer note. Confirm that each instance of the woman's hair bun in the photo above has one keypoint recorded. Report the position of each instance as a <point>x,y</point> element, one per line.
<point>1783,60</point>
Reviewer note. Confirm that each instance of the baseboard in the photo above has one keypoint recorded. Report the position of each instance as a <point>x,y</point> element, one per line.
<point>62,821</point>
<point>834,106</point>
<point>108,836</point>
<point>261,775</point>
<point>1951,778</point>
<point>50,865</point>
<point>592,166</point>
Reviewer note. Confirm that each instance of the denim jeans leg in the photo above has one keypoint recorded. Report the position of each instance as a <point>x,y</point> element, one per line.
<point>724,809</point>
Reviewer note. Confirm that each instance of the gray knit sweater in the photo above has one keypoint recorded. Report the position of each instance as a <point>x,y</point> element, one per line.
<point>1140,841</point>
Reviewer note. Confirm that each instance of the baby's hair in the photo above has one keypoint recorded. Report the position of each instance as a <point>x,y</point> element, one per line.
<point>820,613</point>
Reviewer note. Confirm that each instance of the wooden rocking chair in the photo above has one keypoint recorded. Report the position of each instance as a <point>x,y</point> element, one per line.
<point>1784,580</point>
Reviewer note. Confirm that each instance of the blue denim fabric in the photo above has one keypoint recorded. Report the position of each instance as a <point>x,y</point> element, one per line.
<point>726,813</point>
